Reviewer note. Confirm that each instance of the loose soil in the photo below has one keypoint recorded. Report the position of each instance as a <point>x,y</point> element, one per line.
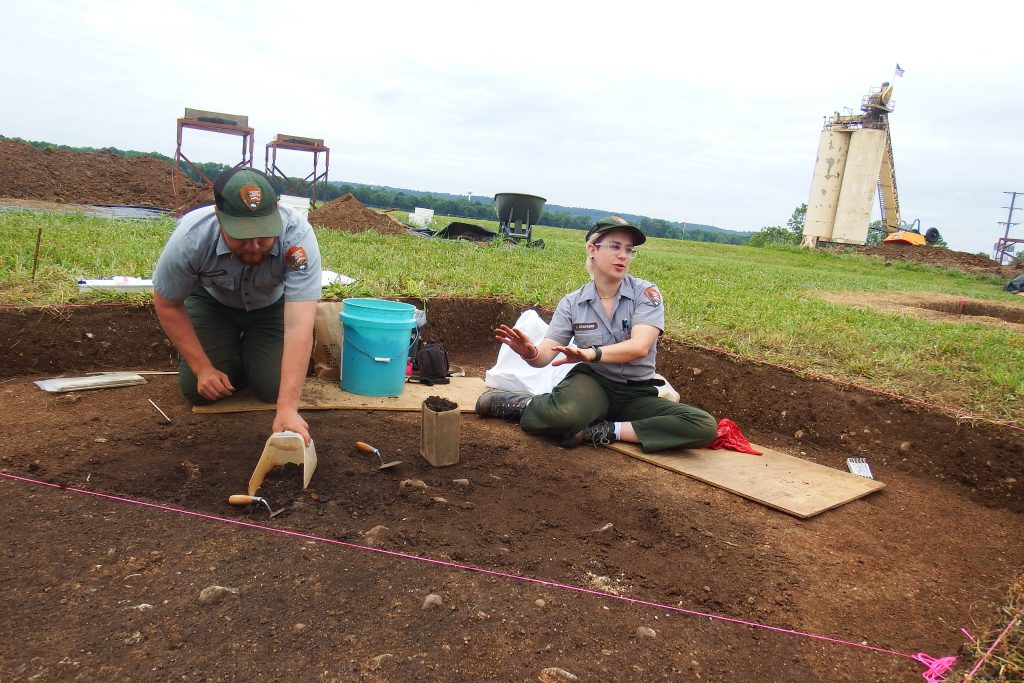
<point>56,175</point>
<point>977,264</point>
<point>100,589</point>
<point>348,214</point>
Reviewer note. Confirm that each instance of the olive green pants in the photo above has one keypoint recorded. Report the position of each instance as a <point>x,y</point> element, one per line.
<point>584,396</point>
<point>244,345</point>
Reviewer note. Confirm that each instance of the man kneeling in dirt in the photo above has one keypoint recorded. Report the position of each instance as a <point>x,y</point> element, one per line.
<point>235,290</point>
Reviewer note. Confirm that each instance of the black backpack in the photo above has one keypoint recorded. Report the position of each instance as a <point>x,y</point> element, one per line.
<point>430,366</point>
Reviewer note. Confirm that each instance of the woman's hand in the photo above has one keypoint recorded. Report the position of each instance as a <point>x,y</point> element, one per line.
<point>517,341</point>
<point>573,354</point>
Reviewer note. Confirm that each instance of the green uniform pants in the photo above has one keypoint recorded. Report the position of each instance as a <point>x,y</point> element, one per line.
<point>584,396</point>
<point>244,345</point>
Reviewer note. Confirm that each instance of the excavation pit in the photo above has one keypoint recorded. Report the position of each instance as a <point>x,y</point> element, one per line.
<point>901,570</point>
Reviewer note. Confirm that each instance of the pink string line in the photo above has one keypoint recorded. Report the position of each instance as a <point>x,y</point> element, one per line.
<point>954,412</point>
<point>985,658</point>
<point>919,657</point>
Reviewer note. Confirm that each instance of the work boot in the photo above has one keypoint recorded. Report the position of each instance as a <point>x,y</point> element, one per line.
<point>499,403</point>
<point>599,433</point>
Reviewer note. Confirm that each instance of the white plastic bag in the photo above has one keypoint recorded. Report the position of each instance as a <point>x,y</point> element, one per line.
<point>514,374</point>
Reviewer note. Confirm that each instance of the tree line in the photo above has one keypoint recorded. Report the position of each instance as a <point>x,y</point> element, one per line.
<point>479,208</point>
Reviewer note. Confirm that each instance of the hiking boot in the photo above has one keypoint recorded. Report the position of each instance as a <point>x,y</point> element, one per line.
<point>599,433</point>
<point>506,404</point>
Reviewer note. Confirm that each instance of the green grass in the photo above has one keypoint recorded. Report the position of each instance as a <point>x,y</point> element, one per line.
<point>755,302</point>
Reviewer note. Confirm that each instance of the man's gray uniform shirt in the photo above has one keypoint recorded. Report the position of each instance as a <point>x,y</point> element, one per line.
<point>195,254</point>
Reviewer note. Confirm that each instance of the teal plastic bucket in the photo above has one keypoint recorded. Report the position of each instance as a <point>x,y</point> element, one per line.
<point>376,345</point>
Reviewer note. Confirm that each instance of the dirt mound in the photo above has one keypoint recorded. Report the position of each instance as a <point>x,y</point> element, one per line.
<point>348,214</point>
<point>57,175</point>
<point>977,264</point>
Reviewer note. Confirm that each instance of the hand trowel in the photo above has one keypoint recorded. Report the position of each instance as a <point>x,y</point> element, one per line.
<point>283,448</point>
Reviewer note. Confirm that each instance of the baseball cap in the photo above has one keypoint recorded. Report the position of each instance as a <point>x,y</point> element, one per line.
<point>617,223</point>
<point>247,204</point>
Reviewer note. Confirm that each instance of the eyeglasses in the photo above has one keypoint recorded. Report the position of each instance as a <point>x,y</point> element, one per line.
<point>616,248</point>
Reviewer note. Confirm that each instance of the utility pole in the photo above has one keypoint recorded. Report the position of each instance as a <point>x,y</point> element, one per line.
<point>1004,243</point>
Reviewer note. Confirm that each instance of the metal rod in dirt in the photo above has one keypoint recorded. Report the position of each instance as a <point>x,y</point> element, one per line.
<point>35,259</point>
<point>158,408</point>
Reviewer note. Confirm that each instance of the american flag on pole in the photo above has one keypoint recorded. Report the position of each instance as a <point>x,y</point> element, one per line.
<point>899,71</point>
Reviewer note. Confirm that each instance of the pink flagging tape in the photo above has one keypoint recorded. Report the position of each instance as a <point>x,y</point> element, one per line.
<point>991,649</point>
<point>936,668</point>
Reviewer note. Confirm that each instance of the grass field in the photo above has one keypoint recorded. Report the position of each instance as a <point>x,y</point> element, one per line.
<point>759,303</point>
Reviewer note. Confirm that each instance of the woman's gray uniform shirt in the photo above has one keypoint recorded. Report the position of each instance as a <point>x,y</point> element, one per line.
<point>580,314</point>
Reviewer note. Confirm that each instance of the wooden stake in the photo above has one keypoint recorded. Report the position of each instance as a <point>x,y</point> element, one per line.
<point>35,259</point>
<point>158,408</point>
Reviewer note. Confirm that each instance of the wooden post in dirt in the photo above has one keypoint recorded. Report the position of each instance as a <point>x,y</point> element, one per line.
<point>35,258</point>
<point>439,432</point>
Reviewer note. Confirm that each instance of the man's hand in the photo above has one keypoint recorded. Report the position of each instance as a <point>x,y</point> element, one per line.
<point>213,385</point>
<point>291,421</point>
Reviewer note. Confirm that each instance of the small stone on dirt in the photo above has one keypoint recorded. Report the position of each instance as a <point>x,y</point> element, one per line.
<point>211,595</point>
<point>645,632</point>
<point>461,482</point>
<point>433,600</point>
<point>376,535</point>
<point>553,674</point>
<point>905,446</point>
<point>412,484</point>
<point>299,627</point>
<point>799,434</point>
<point>378,660</point>
<point>539,602</point>
<point>134,639</point>
<point>439,500</point>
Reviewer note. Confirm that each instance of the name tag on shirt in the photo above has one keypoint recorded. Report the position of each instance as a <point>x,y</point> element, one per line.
<point>583,327</point>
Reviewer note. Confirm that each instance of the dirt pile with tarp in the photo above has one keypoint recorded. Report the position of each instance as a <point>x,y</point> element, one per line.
<point>348,214</point>
<point>976,264</point>
<point>58,175</point>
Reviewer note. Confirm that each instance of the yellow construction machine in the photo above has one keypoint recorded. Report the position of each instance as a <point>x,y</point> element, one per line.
<point>911,234</point>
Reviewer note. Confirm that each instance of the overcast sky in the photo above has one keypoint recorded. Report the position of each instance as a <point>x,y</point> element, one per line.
<point>703,113</point>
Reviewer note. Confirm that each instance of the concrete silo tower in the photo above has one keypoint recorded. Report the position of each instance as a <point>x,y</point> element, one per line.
<point>854,159</point>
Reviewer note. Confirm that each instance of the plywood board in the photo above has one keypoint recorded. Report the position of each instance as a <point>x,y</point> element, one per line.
<point>320,395</point>
<point>792,485</point>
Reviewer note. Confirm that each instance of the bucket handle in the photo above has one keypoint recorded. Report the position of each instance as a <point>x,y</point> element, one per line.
<point>379,359</point>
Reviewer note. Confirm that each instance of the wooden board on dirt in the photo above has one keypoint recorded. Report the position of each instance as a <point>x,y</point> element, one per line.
<point>794,486</point>
<point>320,395</point>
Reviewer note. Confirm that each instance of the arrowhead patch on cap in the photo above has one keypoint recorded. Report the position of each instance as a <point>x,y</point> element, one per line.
<point>252,196</point>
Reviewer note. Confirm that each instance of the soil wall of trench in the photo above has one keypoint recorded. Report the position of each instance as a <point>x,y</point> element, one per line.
<point>824,422</point>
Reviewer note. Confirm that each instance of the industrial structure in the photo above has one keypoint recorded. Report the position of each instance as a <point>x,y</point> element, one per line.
<point>854,161</point>
<point>299,144</point>
<point>234,124</point>
<point>211,122</point>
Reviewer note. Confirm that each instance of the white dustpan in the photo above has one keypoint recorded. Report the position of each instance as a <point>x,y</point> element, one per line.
<point>283,448</point>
